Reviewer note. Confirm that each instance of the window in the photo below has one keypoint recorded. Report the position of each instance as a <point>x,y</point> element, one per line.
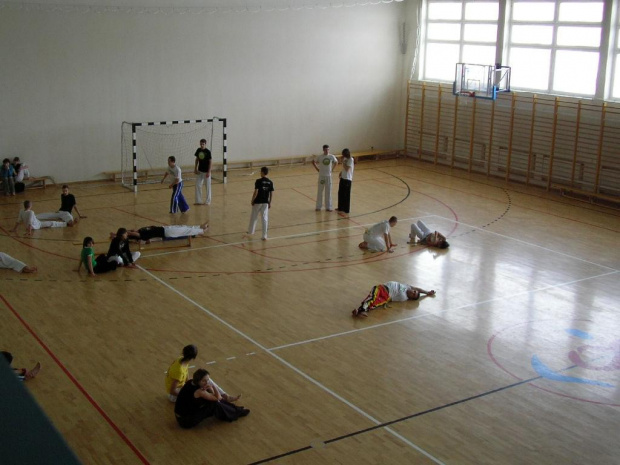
<point>458,31</point>
<point>552,46</point>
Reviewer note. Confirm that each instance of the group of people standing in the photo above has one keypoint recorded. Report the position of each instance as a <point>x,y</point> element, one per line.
<point>324,164</point>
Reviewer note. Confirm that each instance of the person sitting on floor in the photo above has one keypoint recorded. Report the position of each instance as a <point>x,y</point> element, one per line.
<point>93,265</point>
<point>198,400</point>
<point>30,220</point>
<point>9,263</point>
<point>177,374</point>
<point>427,237</point>
<point>119,250</point>
<point>67,205</point>
<point>381,294</point>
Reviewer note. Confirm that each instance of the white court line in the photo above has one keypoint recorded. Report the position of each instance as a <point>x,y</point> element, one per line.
<point>424,315</point>
<point>294,368</point>
<point>291,236</point>
<point>525,242</point>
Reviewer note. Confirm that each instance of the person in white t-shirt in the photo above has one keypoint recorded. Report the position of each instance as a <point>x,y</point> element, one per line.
<point>30,220</point>
<point>392,291</point>
<point>177,201</point>
<point>377,238</point>
<point>324,164</point>
<point>346,179</point>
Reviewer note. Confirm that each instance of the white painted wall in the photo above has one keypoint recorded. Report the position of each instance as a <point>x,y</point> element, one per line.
<point>287,81</point>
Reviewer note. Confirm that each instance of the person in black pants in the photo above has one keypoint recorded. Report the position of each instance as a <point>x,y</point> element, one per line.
<point>346,179</point>
<point>198,400</point>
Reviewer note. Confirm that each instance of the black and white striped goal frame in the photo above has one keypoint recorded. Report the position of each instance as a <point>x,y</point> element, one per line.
<point>134,141</point>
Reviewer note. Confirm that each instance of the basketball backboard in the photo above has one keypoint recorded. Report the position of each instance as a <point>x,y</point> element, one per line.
<point>481,81</point>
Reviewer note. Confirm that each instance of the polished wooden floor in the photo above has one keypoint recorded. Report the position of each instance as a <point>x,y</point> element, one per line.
<point>515,361</point>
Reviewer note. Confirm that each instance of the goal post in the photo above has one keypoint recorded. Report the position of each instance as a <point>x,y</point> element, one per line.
<point>145,148</point>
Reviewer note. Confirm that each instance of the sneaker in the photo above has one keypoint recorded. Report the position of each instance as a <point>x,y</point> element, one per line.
<point>244,413</point>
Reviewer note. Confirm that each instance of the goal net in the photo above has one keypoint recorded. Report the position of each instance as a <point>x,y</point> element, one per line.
<point>145,148</point>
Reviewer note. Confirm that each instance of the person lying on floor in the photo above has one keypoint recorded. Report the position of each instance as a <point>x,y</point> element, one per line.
<point>381,294</point>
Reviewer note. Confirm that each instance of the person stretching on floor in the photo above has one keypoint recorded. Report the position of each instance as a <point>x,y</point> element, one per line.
<point>377,238</point>
<point>427,237</point>
<point>382,294</point>
<point>30,220</point>
<point>177,374</point>
<point>119,250</point>
<point>198,400</point>
<point>9,263</point>
<point>149,233</point>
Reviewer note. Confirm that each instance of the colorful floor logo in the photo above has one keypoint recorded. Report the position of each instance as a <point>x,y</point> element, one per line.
<point>574,359</point>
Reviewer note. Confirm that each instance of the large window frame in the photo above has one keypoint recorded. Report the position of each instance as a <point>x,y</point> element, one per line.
<point>562,48</point>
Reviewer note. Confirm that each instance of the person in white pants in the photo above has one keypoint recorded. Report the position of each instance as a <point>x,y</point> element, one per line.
<point>202,170</point>
<point>427,237</point>
<point>261,202</point>
<point>377,238</point>
<point>324,164</point>
<point>9,263</point>
<point>160,233</point>
<point>67,205</point>
<point>21,170</point>
<point>30,220</point>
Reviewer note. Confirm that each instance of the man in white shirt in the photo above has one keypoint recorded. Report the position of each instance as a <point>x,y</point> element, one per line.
<point>324,164</point>
<point>177,201</point>
<point>377,238</point>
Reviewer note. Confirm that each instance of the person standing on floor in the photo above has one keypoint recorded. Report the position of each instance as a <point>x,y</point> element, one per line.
<point>177,201</point>
<point>346,180</point>
<point>202,170</point>
<point>261,202</point>
<point>324,164</point>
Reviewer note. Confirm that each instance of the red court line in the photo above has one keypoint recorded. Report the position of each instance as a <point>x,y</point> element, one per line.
<point>515,204</point>
<point>16,238</point>
<point>76,383</point>
<point>140,216</point>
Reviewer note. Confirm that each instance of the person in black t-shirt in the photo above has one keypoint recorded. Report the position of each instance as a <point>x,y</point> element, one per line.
<point>148,233</point>
<point>261,202</point>
<point>199,399</point>
<point>67,205</point>
<point>202,170</point>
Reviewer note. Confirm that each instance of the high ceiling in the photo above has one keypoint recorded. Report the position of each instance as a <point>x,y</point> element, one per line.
<point>215,5</point>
